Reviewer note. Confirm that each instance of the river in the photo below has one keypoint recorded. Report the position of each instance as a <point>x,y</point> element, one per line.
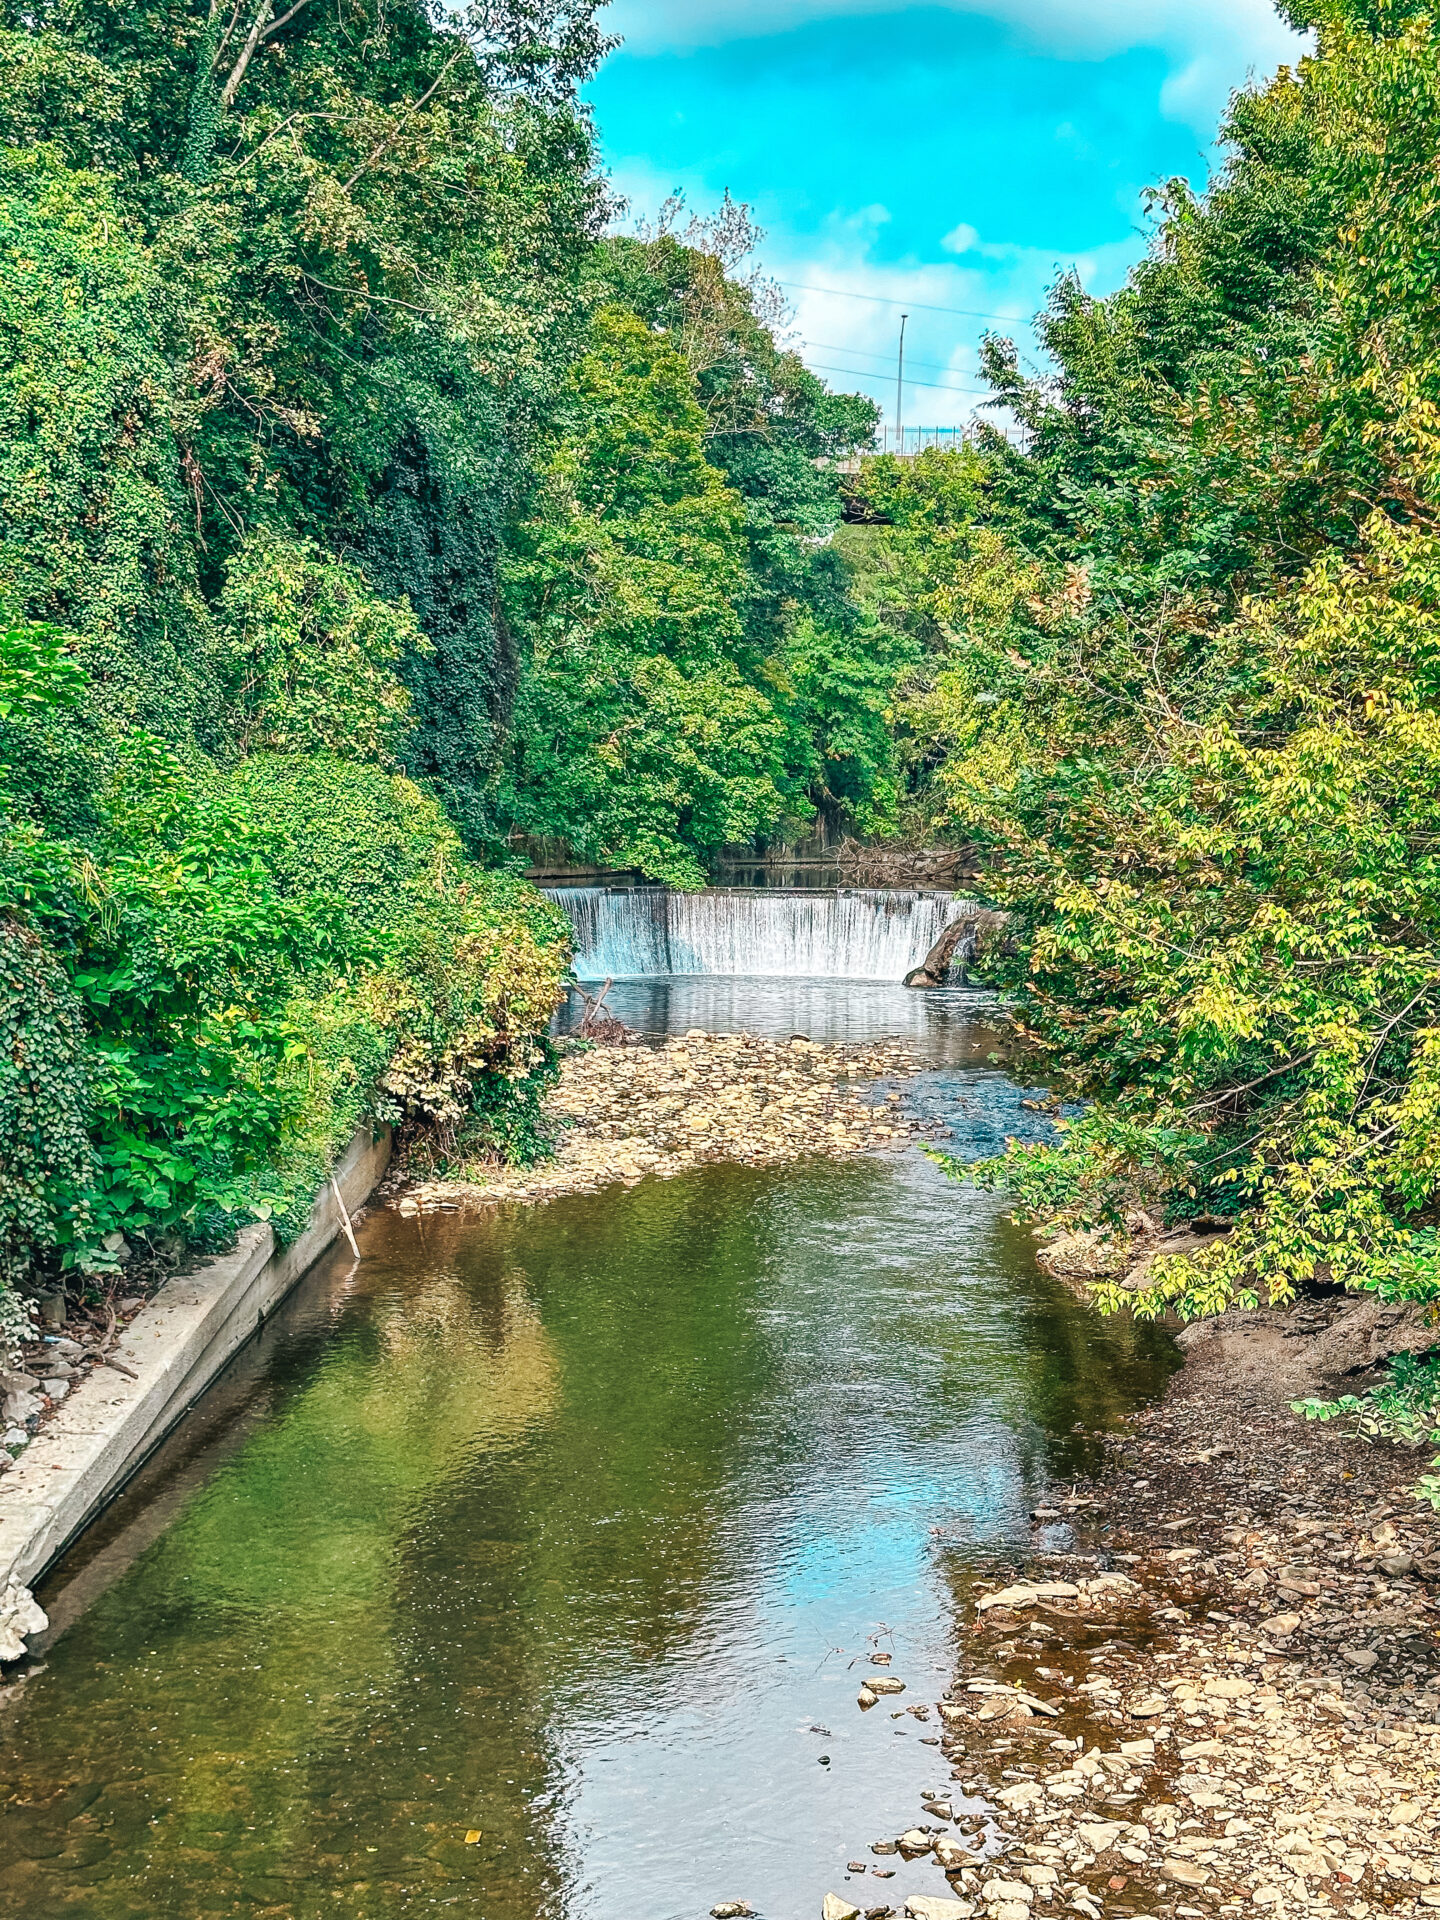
<point>572,1528</point>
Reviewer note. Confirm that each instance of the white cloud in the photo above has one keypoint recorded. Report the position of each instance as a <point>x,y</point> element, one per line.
<point>847,306</point>
<point>961,239</point>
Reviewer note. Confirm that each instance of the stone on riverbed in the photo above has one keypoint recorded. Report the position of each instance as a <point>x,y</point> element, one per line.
<point>1026,1592</point>
<point>1185,1872</point>
<point>885,1683</point>
<point>632,1111</point>
<point>1006,1893</point>
<point>834,1908</point>
<point>1003,1707</point>
<point>1149,1708</point>
<point>1101,1835</point>
<point>931,1906</point>
<point>732,1910</point>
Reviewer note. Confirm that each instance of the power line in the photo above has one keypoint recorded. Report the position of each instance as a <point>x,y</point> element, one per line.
<point>834,346</point>
<point>882,300</point>
<point>860,373</point>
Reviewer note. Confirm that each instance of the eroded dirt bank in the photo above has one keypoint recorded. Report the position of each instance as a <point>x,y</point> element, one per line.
<point>1214,1686</point>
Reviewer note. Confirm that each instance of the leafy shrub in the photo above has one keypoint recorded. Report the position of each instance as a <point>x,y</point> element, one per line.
<point>47,1166</point>
<point>258,961</point>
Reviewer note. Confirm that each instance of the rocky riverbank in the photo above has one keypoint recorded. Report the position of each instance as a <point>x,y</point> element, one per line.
<point>1214,1685</point>
<point>625,1112</point>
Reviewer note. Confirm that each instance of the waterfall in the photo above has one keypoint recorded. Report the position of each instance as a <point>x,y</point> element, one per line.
<point>850,933</point>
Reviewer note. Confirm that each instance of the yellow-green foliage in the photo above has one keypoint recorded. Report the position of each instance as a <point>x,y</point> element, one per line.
<point>434,1015</point>
<point>311,652</point>
<point>1187,701</point>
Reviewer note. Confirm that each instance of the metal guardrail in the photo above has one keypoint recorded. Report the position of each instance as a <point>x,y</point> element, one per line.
<point>904,446</point>
<point>912,440</point>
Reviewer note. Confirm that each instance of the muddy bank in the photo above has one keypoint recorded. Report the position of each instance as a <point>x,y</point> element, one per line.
<point>628,1111</point>
<point>1214,1685</point>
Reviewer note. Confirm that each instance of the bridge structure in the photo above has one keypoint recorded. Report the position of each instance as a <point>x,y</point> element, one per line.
<point>909,441</point>
<point>904,445</point>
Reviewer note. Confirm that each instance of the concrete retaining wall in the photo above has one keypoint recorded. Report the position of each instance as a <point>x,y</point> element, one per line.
<point>176,1345</point>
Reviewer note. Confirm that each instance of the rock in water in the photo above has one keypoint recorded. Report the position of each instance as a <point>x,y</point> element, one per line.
<point>732,1910</point>
<point>834,1908</point>
<point>19,1615</point>
<point>1101,1834</point>
<point>1004,1707</point>
<point>933,1906</point>
<point>885,1683</point>
<point>1002,1893</point>
<point>1150,1708</point>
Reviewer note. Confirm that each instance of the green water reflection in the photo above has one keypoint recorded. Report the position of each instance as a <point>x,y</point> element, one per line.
<point>567,1526</point>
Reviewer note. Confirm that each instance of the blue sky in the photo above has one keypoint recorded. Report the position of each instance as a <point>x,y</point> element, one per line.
<point>941,156</point>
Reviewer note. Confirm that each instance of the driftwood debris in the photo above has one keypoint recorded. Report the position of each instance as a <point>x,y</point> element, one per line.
<point>863,866</point>
<point>598,1023</point>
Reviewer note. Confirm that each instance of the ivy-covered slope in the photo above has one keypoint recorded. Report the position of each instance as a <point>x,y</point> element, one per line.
<point>284,296</point>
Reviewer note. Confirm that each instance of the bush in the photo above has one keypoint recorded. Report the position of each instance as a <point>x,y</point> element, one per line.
<point>242,967</point>
<point>47,1166</point>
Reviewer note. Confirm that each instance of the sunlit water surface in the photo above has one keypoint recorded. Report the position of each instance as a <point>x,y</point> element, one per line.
<point>574,1526</point>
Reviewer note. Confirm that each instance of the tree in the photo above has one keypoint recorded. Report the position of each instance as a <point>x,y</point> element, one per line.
<point>1205,777</point>
<point>640,739</point>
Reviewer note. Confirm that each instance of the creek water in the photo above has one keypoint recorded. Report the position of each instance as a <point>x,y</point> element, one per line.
<point>572,1527</point>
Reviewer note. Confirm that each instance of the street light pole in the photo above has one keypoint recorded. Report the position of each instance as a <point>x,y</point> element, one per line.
<point>900,391</point>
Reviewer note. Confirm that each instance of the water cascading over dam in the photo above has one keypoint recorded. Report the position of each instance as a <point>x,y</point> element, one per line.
<point>850,933</point>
